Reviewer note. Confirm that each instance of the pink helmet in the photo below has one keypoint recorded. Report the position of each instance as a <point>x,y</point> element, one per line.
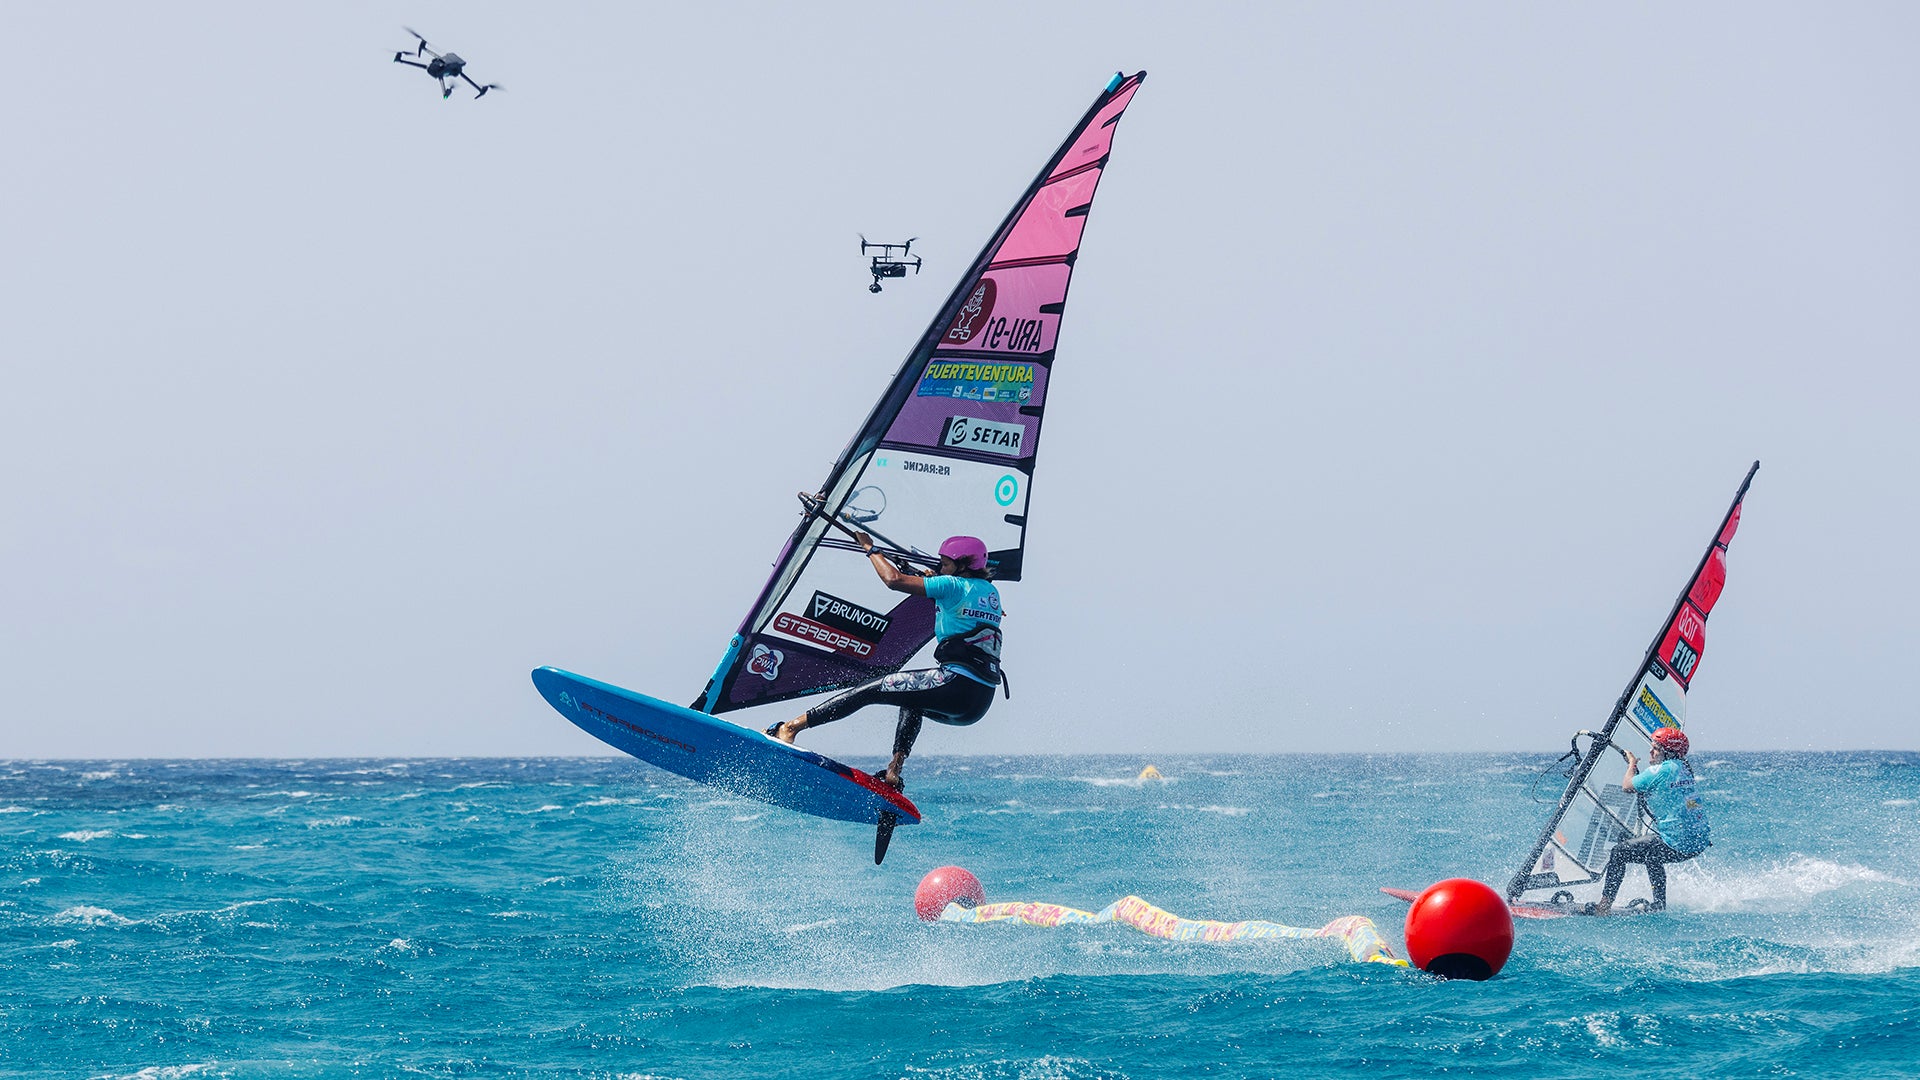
<point>969,551</point>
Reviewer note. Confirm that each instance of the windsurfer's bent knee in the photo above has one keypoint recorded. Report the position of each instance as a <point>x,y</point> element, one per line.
<point>966,627</point>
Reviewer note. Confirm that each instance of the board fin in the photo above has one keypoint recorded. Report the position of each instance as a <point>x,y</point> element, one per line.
<point>883,835</point>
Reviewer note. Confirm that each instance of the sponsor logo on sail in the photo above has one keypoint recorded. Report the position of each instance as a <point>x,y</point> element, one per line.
<point>989,435</point>
<point>1651,712</point>
<point>1007,490</point>
<point>973,381</point>
<point>932,467</point>
<point>850,617</point>
<point>973,315</point>
<point>765,662</point>
<point>807,630</point>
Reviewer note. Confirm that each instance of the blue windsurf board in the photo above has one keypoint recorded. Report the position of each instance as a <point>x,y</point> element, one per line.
<point>711,751</point>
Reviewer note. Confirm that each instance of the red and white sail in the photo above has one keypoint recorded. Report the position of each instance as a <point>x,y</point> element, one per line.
<point>1595,812</point>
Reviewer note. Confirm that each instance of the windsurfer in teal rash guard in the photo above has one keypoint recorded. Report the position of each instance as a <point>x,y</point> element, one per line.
<point>1679,820</point>
<point>966,629</point>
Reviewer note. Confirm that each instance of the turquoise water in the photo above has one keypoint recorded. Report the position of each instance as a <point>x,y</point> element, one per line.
<point>597,917</point>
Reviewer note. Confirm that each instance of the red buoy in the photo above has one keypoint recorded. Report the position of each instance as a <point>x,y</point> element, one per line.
<point>948,885</point>
<point>1459,929</point>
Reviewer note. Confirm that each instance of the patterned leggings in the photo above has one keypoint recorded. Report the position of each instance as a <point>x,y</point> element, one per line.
<point>945,696</point>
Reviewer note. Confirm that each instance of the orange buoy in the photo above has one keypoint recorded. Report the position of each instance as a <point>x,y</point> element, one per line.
<point>947,885</point>
<point>1459,929</point>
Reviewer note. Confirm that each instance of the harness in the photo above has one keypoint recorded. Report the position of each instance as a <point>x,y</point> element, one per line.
<point>978,653</point>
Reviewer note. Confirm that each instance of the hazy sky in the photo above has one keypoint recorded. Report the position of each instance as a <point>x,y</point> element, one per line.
<point>1413,354</point>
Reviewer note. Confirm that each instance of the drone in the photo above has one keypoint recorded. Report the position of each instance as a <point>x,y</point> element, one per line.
<point>887,264</point>
<point>443,66</point>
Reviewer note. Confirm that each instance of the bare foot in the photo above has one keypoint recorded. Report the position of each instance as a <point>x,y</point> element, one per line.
<point>785,730</point>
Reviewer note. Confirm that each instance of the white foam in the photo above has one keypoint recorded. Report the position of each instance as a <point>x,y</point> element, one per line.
<point>1225,811</point>
<point>802,928</point>
<point>332,822</point>
<point>163,1072</point>
<point>15,810</point>
<point>1120,781</point>
<point>86,915</point>
<point>1897,802</point>
<point>1703,888</point>
<point>84,835</point>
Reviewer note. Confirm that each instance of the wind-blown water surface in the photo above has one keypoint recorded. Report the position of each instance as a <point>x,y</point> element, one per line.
<point>597,917</point>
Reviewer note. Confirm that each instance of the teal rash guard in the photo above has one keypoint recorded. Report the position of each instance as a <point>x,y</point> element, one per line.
<point>966,623</point>
<point>1679,815</point>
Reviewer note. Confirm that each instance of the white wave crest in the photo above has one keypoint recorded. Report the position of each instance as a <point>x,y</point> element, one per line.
<point>164,1072</point>
<point>1799,878</point>
<point>333,822</point>
<point>84,835</point>
<point>91,916</point>
<point>1224,811</point>
<point>1120,781</point>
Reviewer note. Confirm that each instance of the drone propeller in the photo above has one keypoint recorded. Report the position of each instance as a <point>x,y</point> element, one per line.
<point>423,42</point>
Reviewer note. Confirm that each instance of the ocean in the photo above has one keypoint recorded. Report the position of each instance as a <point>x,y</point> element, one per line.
<point>598,917</point>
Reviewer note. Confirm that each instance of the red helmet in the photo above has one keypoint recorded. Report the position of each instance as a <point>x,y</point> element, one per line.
<point>1671,741</point>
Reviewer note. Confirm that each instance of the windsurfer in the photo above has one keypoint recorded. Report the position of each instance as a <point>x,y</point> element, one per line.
<point>1679,819</point>
<point>966,626</point>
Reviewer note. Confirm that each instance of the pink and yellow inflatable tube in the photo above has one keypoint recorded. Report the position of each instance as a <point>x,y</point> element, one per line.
<point>1357,932</point>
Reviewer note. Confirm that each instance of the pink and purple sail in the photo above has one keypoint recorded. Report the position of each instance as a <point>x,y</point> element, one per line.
<point>949,449</point>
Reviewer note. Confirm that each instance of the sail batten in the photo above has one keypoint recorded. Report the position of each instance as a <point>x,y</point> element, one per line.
<point>1594,805</point>
<point>949,449</point>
